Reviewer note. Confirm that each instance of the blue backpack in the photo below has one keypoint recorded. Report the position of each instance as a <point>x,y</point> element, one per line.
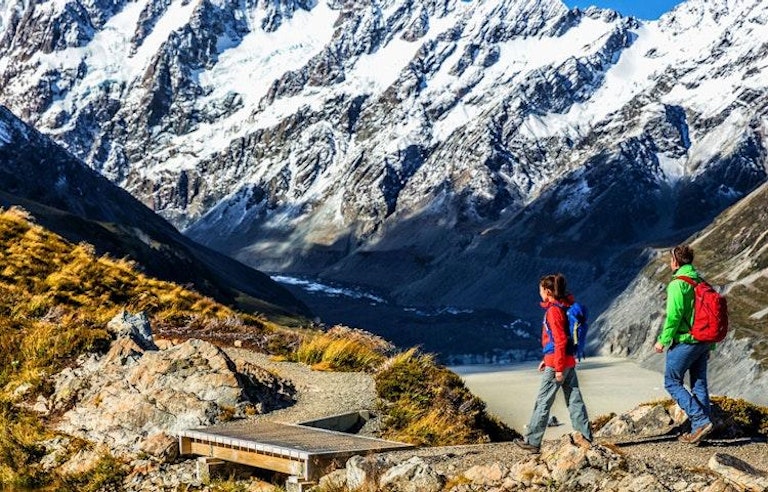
<point>577,331</point>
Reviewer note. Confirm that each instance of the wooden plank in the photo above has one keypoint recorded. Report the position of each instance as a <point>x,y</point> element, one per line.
<point>290,439</point>
<point>250,458</point>
<point>184,445</point>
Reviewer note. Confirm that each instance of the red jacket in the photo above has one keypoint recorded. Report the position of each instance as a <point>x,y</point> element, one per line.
<point>558,324</point>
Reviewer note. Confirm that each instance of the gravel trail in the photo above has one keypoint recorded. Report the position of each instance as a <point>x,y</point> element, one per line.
<point>320,394</point>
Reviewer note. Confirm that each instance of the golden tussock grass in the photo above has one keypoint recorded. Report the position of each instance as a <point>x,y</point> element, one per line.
<point>426,404</point>
<point>343,349</point>
<point>55,301</point>
<point>56,298</point>
<point>740,417</point>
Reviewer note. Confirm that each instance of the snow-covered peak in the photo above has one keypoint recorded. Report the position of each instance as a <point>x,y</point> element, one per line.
<point>318,130</point>
<point>706,14</point>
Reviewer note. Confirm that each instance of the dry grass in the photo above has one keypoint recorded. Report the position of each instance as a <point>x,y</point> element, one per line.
<point>108,474</point>
<point>599,422</point>
<point>56,298</point>
<point>426,404</point>
<point>55,301</point>
<point>19,452</point>
<point>343,349</point>
<point>739,417</point>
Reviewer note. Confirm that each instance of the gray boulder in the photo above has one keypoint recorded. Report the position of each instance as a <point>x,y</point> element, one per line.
<point>133,326</point>
<point>738,472</point>
<point>413,475</point>
<point>363,471</point>
<point>641,422</point>
<point>134,398</point>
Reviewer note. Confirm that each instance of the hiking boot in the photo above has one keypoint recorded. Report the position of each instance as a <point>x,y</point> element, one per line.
<point>696,436</point>
<point>578,439</point>
<point>524,445</point>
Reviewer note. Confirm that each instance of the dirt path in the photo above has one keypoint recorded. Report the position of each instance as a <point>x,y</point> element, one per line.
<point>661,455</point>
<point>320,394</point>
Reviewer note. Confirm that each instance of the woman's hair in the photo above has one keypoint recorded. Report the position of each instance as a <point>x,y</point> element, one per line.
<point>555,284</point>
<point>683,254</point>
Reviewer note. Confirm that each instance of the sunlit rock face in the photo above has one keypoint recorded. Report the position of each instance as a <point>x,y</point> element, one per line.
<point>444,152</point>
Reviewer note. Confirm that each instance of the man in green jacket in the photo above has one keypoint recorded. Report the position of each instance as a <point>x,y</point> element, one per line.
<point>684,353</point>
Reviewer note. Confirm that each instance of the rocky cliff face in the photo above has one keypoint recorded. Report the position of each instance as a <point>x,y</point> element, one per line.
<point>444,152</point>
<point>732,254</point>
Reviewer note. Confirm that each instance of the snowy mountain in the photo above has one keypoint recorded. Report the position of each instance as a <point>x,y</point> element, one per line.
<point>443,152</point>
<point>65,196</point>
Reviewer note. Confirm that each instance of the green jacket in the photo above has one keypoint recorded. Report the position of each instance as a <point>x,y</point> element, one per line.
<point>680,298</point>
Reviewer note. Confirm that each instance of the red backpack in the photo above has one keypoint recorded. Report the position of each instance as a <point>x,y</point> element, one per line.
<point>710,312</point>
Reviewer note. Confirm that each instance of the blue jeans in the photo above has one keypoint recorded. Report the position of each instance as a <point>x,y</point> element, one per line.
<point>545,399</point>
<point>691,358</point>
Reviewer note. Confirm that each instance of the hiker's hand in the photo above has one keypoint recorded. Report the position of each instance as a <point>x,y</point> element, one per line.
<point>542,365</point>
<point>559,377</point>
<point>659,348</point>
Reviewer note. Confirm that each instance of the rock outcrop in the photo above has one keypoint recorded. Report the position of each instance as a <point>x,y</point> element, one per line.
<point>738,472</point>
<point>136,396</point>
<point>643,421</point>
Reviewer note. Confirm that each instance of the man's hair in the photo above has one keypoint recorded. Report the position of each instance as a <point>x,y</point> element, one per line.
<point>683,254</point>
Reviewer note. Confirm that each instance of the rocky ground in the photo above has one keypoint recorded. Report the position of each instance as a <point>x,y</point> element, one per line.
<point>634,451</point>
<point>134,398</point>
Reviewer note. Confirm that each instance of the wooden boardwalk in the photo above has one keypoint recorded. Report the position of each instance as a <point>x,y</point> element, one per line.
<point>296,450</point>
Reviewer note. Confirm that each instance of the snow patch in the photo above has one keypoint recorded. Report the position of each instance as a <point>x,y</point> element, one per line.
<point>720,142</point>
<point>576,201</point>
<point>760,314</point>
<point>328,290</point>
<point>673,169</point>
<point>5,135</point>
<point>431,313</point>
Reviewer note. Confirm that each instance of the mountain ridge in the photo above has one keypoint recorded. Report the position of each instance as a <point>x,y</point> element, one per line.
<point>71,199</point>
<point>731,254</point>
<point>374,143</point>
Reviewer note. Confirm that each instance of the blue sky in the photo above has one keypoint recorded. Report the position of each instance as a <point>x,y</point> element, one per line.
<point>642,9</point>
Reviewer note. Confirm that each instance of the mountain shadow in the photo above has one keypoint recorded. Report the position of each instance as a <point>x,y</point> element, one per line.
<point>70,199</point>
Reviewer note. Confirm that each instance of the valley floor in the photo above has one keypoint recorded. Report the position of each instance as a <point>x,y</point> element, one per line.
<point>608,384</point>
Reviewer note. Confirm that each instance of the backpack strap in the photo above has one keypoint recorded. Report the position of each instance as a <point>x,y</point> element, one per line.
<point>692,283</point>
<point>688,280</point>
<point>550,347</point>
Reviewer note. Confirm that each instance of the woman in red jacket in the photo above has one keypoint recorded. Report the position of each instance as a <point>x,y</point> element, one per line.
<point>558,366</point>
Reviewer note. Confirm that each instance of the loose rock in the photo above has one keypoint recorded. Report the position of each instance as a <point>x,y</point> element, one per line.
<point>413,475</point>
<point>132,395</point>
<point>739,472</point>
